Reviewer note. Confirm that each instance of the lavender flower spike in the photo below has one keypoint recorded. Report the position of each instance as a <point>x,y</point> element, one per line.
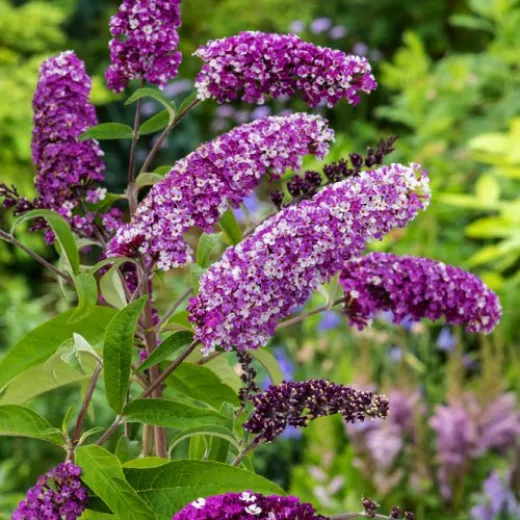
<point>298,403</point>
<point>240,506</point>
<point>417,288</point>
<point>59,494</point>
<point>148,45</point>
<point>256,66</point>
<point>65,165</point>
<point>220,174</point>
<point>263,279</point>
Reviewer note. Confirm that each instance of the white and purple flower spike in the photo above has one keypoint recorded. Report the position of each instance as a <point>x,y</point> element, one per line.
<point>263,279</point>
<point>218,175</point>
<point>255,66</point>
<point>144,44</point>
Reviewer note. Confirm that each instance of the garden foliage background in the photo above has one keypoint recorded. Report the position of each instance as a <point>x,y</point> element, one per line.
<point>450,88</point>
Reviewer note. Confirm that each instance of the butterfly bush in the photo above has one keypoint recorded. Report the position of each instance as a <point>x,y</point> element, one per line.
<point>246,505</point>
<point>221,173</point>
<point>417,288</point>
<point>260,281</point>
<point>58,495</point>
<point>144,44</point>
<point>67,168</point>
<point>257,66</point>
<point>297,403</point>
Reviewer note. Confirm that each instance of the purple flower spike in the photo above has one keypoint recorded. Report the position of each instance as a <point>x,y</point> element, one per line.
<point>220,174</point>
<point>58,495</point>
<point>66,167</point>
<point>417,288</point>
<point>263,279</point>
<point>246,505</point>
<point>298,403</point>
<point>145,43</point>
<point>257,66</point>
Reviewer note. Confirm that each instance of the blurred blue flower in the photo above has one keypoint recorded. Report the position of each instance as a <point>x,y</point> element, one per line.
<point>360,48</point>
<point>252,204</point>
<point>291,432</point>
<point>225,111</point>
<point>178,87</point>
<point>320,25</point>
<point>338,32</point>
<point>329,320</point>
<point>261,112</point>
<point>446,340</point>
<point>395,354</point>
<point>298,26</point>
<point>498,501</point>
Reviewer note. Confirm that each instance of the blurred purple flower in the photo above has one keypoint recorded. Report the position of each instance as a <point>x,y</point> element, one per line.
<point>320,25</point>
<point>149,108</point>
<point>498,500</point>
<point>178,87</point>
<point>360,48</point>
<point>298,26</point>
<point>225,111</point>
<point>376,55</point>
<point>338,32</point>
<point>500,424</point>
<point>242,116</point>
<point>446,340</point>
<point>261,112</point>
<point>396,354</point>
<point>252,204</point>
<point>329,320</point>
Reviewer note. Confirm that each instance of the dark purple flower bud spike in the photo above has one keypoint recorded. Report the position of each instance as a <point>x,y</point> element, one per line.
<point>297,403</point>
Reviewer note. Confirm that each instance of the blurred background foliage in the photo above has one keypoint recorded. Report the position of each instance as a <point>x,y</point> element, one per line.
<point>450,89</point>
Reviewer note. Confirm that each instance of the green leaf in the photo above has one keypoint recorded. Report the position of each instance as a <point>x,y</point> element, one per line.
<point>163,170</point>
<point>187,101</point>
<point>208,246</point>
<point>198,448</point>
<point>169,346</point>
<point>270,363</point>
<point>86,287</point>
<point>171,414</point>
<point>196,273</point>
<point>202,384</point>
<point>154,94</point>
<point>148,179</point>
<point>17,421</point>
<point>114,262</point>
<point>471,22</point>
<point>107,131</point>
<point>212,430</point>
<point>61,229</point>
<point>168,488</point>
<point>39,379</point>
<point>112,289</point>
<point>69,354</point>
<point>41,343</point>
<point>229,225</point>
<point>127,450</point>
<point>219,446</point>
<point>102,472</point>
<point>96,515</point>
<point>179,321</point>
<point>155,123</point>
<point>145,463</point>
<point>117,353</point>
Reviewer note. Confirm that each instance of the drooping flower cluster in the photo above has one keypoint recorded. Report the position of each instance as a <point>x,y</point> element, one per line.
<point>144,44</point>
<point>246,505</point>
<point>256,66</point>
<point>417,288</point>
<point>260,281</point>
<point>220,174</point>
<point>297,403</point>
<point>66,167</point>
<point>58,495</point>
